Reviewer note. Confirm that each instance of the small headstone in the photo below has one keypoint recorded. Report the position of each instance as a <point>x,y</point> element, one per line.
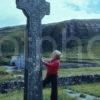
<point>34,10</point>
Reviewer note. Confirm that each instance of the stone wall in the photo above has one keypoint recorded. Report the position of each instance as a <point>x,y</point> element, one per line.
<point>62,81</point>
<point>72,80</point>
<point>11,85</point>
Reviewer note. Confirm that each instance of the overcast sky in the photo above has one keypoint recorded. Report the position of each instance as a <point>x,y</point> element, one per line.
<point>60,10</point>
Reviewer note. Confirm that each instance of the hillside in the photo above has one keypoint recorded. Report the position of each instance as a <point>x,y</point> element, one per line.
<point>84,30</point>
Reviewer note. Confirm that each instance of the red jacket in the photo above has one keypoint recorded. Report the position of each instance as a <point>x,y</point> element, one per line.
<point>52,67</point>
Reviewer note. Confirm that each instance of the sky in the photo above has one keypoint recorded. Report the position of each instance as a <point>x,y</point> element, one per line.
<point>60,10</point>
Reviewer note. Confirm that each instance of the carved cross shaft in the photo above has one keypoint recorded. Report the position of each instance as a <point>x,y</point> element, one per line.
<point>34,10</point>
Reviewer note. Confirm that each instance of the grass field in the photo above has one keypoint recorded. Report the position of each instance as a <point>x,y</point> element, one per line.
<point>62,95</point>
<point>18,95</point>
<point>77,71</point>
<point>4,76</point>
<point>92,89</point>
<point>2,69</point>
<point>62,72</point>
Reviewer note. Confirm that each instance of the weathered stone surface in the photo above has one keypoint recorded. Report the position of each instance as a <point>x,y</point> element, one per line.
<point>34,10</point>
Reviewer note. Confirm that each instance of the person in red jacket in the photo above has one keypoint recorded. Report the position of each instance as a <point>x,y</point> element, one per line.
<point>52,73</point>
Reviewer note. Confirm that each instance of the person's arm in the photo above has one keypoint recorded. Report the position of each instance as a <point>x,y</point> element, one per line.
<point>46,59</point>
<point>45,62</point>
<point>50,64</point>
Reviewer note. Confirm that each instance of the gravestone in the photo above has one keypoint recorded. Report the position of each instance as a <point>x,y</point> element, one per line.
<point>34,10</point>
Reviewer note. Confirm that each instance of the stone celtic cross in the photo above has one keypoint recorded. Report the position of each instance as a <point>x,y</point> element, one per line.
<point>34,10</point>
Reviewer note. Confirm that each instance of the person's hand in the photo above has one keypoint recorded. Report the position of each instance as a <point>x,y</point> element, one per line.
<point>43,60</point>
<point>46,59</point>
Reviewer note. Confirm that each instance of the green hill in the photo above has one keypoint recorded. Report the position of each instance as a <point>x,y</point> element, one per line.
<point>83,30</point>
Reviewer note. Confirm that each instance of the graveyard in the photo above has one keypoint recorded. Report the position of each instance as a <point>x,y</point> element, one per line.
<point>86,88</point>
<point>24,48</point>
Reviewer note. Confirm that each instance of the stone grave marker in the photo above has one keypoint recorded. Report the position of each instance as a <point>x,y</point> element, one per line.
<point>34,10</point>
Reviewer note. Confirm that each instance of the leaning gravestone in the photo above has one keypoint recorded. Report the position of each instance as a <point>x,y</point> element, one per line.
<point>34,10</point>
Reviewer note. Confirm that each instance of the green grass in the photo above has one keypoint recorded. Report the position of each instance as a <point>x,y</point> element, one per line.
<point>4,75</point>
<point>77,71</point>
<point>4,78</point>
<point>2,69</point>
<point>18,95</point>
<point>92,89</point>
<point>62,94</point>
<point>62,72</point>
<point>15,95</point>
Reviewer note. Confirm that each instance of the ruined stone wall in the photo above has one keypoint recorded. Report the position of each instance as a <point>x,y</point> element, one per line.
<point>62,81</point>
